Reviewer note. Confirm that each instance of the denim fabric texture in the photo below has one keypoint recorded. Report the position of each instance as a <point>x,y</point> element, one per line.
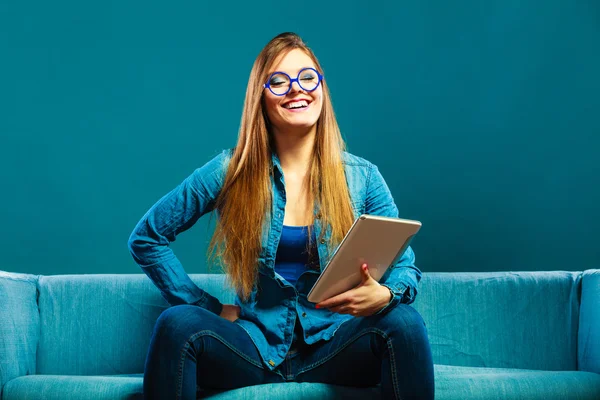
<point>268,317</point>
<point>19,325</point>
<point>192,351</point>
<point>588,348</point>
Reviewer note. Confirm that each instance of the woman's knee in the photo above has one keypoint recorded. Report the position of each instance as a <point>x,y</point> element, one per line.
<point>399,318</point>
<point>179,322</point>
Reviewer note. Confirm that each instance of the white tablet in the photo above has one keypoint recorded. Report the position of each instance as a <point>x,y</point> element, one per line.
<point>377,241</point>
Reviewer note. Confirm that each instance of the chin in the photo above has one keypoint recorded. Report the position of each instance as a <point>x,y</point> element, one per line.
<point>301,125</point>
<point>304,120</point>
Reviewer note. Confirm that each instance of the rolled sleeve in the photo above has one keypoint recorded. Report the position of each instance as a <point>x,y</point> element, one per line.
<point>402,277</point>
<point>174,213</point>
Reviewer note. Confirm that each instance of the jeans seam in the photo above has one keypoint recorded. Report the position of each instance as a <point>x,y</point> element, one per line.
<point>248,333</point>
<point>200,302</point>
<point>342,347</point>
<point>187,345</point>
<point>393,367</point>
<point>180,371</point>
<point>289,373</point>
<point>220,339</point>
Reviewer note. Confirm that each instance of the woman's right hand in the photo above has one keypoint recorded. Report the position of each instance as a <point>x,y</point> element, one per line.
<point>230,312</point>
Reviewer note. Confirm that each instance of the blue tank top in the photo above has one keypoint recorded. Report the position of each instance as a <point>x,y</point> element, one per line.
<point>292,258</point>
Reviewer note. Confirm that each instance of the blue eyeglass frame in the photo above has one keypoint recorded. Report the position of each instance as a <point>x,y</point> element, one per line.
<point>292,80</point>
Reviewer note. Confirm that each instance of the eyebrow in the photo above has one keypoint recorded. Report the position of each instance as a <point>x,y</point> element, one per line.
<point>297,71</point>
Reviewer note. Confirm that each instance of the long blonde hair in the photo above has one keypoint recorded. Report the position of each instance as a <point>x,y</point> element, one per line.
<point>245,199</point>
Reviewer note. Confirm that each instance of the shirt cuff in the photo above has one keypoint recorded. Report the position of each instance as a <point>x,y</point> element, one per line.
<point>211,303</point>
<point>398,294</point>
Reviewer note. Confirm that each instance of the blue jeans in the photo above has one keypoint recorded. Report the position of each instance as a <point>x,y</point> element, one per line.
<point>192,349</point>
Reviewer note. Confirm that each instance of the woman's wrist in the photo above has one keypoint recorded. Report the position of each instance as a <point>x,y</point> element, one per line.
<point>388,294</point>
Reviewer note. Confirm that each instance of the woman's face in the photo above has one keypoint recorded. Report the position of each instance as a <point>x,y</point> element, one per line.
<point>287,112</point>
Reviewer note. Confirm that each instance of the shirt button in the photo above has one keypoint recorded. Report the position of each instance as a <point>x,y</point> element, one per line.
<point>278,215</point>
<point>322,241</point>
<point>304,314</point>
<point>318,216</point>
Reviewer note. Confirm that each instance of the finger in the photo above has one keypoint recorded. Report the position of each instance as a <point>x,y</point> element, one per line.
<point>365,272</point>
<point>341,309</point>
<point>333,301</point>
<point>330,304</point>
<point>349,311</point>
<point>367,279</point>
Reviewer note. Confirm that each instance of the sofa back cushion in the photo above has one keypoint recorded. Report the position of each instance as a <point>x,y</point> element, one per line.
<point>523,320</point>
<point>588,351</point>
<point>102,324</point>
<point>19,325</point>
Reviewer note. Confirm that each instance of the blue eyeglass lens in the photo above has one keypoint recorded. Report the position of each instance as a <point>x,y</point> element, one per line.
<point>279,83</point>
<point>308,79</point>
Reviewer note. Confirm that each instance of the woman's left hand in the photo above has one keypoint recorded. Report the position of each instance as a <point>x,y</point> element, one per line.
<point>364,300</point>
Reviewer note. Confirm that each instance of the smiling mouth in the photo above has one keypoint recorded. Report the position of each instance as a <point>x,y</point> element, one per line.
<point>296,104</point>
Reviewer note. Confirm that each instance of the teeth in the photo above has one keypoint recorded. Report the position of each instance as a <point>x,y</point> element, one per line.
<point>296,104</point>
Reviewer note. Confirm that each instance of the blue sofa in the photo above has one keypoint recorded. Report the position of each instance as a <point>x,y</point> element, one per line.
<point>495,335</point>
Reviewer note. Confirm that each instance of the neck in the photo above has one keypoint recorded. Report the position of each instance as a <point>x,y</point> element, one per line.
<point>294,148</point>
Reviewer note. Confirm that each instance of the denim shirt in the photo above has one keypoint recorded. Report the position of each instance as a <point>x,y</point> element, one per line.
<point>269,314</point>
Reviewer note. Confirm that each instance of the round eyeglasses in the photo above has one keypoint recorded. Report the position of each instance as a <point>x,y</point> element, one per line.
<point>280,83</point>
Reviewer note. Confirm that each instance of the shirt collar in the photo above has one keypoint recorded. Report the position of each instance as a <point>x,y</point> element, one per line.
<point>275,162</point>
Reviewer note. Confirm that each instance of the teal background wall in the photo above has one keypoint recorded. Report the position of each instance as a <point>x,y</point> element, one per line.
<point>483,116</point>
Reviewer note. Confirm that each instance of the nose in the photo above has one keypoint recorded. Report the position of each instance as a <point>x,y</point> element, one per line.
<point>296,87</point>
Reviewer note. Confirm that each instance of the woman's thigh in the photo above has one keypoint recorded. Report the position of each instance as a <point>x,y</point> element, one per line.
<point>222,352</point>
<point>354,355</point>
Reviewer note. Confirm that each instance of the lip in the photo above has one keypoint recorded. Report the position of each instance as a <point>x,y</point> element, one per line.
<point>296,110</point>
<point>296,99</point>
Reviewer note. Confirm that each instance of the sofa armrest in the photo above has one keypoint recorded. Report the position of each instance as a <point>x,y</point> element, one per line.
<point>19,325</point>
<point>588,341</point>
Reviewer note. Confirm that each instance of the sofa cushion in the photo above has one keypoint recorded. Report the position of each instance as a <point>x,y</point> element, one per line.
<point>459,383</point>
<point>61,387</point>
<point>482,319</point>
<point>102,324</point>
<point>19,325</point>
<point>451,383</point>
<point>502,319</point>
<point>588,352</point>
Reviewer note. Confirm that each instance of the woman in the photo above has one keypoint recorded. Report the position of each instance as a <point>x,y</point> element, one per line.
<point>286,179</point>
